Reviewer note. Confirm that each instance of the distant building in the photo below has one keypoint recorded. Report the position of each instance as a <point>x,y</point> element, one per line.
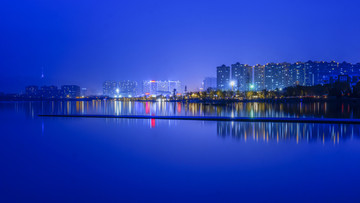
<point>165,88</point>
<point>285,75</point>
<point>175,85</point>
<point>223,77</point>
<point>83,92</point>
<point>344,78</point>
<point>49,92</point>
<point>277,76</point>
<point>127,88</point>
<point>271,76</point>
<point>162,88</point>
<point>70,91</point>
<point>241,75</point>
<point>298,73</point>
<point>259,77</point>
<point>149,87</point>
<point>274,76</point>
<point>309,77</point>
<point>109,88</point>
<point>209,83</point>
<point>32,91</point>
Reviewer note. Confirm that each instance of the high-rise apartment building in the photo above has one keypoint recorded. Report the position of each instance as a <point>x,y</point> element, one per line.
<point>165,88</point>
<point>70,91</point>
<point>259,77</point>
<point>109,88</point>
<point>241,75</point>
<point>127,88</point>
<point>274,76</point>
<point>223,77</point>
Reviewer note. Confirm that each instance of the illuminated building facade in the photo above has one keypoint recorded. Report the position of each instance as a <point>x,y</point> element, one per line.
<point>109,88</point>
<point>274,76</point>
<point>49,92</point>
<point>127,88</point>
<point>175,86</point>
<point>165,88</point>
<point>241,75</point>
<point>259,77</point>
<point>70,91</point>
<point>223,77</point>
<point>277,76</point>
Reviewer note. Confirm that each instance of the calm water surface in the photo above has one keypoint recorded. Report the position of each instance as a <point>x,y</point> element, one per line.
<point>125,160</point>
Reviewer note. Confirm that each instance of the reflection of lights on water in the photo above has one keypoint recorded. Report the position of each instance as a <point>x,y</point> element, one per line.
<point>178,107</point>
<point>147,108</point>
<point>42,128</point>
<point>152,123</point>
<point>117,106</point>
<point>299,133</point>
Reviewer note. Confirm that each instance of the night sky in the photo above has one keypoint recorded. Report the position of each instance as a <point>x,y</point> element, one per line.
<point>85,42</point>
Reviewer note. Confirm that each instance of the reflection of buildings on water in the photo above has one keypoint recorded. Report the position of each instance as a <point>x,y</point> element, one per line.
<point>241,109</point>
<point>299,132</point>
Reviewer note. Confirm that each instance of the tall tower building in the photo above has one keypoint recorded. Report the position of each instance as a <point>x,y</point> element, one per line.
<point>241,75</point>
<point>223,77</point>
<point>259,77</point>
<point>286,79</point>
<point>298,73</point>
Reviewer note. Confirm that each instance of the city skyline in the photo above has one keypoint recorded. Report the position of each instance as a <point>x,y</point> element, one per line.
<point>155,40</point>
<point>180,101</point>
<point>243,77</point>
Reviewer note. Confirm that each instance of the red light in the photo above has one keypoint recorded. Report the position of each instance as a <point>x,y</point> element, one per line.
<point>152,80</point>
<point>147,93</point>
<point>147,108</point>
<point>152,122</point>
<point>178,107</point>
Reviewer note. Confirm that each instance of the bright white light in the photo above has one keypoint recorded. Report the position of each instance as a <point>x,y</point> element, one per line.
<point>117,90</point>
<point>115,96</point>
<point>232,83</point>
<point>251,86</point>
<point>280,89</point>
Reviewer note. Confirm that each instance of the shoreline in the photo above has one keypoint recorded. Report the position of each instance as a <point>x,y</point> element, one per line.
<point>202,101</point>
<point>217,118</point>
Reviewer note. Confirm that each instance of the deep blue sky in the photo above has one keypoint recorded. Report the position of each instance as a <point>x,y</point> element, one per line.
<point>86,42</point>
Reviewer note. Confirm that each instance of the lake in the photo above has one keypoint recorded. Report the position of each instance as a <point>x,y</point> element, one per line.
<point>129,160</point>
